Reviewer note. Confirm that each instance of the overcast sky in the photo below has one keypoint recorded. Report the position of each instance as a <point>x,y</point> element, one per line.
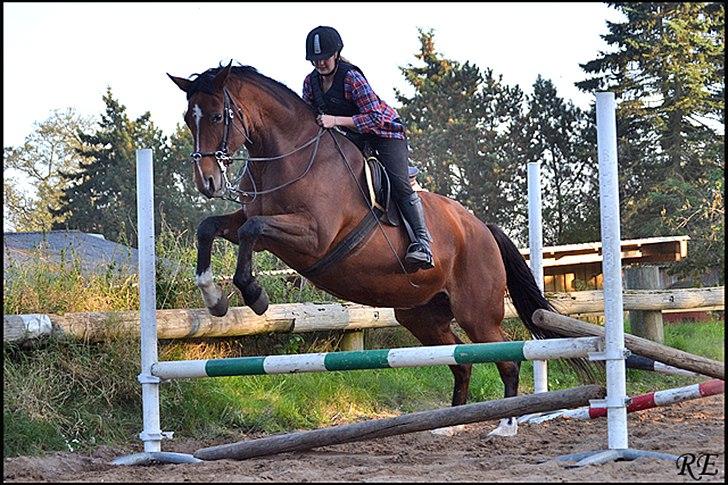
<point>59,55</point>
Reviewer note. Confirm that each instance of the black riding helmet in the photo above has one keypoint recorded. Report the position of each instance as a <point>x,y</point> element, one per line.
<point>322,42</point>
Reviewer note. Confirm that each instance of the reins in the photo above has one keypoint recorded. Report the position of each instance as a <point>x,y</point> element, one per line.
<point>224,160</point>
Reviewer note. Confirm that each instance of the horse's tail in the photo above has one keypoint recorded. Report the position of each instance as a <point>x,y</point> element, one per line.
<point>525,293</point>
<point>527,297</point>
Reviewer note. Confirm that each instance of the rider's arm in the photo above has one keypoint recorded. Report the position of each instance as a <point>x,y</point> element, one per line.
<point>307,93</point>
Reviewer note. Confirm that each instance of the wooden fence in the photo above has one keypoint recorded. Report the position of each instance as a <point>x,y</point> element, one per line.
<point>311,317</point>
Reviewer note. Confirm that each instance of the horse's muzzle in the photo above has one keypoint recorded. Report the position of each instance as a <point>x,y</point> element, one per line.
<point>209,190</point>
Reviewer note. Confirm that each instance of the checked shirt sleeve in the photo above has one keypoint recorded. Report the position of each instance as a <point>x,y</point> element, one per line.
<point>375,115</point>
<point>307,93</point>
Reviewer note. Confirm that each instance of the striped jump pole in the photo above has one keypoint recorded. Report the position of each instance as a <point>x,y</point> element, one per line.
<point>643,401</point>
<point>640,362</point>
<point>380,359</point>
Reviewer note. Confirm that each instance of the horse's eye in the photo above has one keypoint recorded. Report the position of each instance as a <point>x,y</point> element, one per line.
<point>217,118</point>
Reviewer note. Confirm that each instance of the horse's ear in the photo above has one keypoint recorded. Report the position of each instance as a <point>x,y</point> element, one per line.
<point>222,76</point>
<point>182,83</point>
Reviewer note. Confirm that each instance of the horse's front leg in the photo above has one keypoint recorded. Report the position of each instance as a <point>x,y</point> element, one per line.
<point>225,226</point>
<point>292,232</point>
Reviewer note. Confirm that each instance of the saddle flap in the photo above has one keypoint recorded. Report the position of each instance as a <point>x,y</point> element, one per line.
<point>379,191</point>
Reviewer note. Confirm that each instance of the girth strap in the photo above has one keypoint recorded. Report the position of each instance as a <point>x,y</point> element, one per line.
<point>351,241</point>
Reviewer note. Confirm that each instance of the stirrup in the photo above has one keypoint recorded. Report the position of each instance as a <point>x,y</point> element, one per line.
<point>419,257</point>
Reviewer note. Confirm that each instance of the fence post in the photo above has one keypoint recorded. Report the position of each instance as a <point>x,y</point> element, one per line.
<point>645,324</point>
<point>352,340</point>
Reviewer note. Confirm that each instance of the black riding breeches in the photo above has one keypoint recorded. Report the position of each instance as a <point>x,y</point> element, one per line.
<point>394,155</point>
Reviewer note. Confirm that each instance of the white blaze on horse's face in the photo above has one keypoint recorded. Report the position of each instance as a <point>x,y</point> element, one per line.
<point>208,176</point>
<point>197,115</point>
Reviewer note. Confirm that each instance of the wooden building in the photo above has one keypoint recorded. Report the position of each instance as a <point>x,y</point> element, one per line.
<point>578,267</point>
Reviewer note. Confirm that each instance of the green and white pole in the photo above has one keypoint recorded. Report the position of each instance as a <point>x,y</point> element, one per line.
<point>380,359</point>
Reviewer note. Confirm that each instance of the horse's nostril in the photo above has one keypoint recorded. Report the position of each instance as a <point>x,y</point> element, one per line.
<point>211,185</point>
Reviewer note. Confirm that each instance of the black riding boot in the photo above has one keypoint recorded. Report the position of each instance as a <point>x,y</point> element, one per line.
<point>419,254</point>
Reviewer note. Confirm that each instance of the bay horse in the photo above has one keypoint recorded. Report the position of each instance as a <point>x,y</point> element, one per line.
<point>301,199</point>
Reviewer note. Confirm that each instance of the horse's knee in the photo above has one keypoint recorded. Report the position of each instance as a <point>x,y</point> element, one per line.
<point>207,229</point>
<point>251,230</point>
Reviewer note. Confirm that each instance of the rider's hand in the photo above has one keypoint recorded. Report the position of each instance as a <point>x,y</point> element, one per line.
<point>326,121</point>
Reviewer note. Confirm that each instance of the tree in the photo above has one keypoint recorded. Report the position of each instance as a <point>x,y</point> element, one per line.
<point>101,196</point>
<point>667,70</point>
<point>455,122</point>
<point>32,180</point>
<point>557,134</point>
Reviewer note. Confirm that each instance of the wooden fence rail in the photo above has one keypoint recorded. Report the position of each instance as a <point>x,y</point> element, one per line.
<point>310,317</point>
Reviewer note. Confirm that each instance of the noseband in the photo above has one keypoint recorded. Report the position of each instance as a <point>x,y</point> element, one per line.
<point>223,158</point>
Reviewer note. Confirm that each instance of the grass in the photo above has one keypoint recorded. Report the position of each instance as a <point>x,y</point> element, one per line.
<point>62,395</point>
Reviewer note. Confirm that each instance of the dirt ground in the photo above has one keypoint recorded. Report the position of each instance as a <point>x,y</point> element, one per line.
<point>690,427</point>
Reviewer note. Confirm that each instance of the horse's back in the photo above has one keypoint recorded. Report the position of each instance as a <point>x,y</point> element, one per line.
<point>466,246</point>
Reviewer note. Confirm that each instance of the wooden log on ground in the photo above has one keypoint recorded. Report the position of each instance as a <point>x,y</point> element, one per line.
<point>407,423</point>
<point>683,360</point>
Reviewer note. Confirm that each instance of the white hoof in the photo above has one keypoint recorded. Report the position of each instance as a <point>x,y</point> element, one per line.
<point>507,427</point>
<point>448,431</point>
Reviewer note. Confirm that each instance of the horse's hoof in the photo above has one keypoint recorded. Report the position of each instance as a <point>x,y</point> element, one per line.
<point>261,304</point>
<point>507,427</point>
<point>220,308</point>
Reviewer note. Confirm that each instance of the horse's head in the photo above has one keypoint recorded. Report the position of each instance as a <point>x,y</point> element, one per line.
<point>215,123</point>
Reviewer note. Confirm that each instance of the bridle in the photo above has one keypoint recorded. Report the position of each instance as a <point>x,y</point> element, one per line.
<point>224,159</point>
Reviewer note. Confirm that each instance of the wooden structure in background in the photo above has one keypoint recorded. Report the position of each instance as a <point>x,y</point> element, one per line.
<point>577,267</point>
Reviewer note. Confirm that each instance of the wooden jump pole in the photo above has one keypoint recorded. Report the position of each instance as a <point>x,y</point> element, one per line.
<point>647,348</point>
<point>407,423</point>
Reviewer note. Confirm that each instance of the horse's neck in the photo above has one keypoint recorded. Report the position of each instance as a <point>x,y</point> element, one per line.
<point>277,129</point>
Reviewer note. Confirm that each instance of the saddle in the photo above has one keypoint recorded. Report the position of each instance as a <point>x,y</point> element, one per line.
<point>380,192</point>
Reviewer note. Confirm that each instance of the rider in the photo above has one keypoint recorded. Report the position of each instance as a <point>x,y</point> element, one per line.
<point>344,98</point>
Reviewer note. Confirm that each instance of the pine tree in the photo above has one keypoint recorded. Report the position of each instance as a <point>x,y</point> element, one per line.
<point>455,122</point>
<point>101,196</point>
<point>667,71</point>
<point>557,132</point>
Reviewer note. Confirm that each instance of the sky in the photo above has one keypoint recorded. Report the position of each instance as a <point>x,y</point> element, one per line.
<point>60,55</point>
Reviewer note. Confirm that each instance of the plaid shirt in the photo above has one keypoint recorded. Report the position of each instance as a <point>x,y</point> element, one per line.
<point>375,116</point>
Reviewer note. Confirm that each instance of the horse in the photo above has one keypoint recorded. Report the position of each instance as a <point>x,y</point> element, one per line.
<point>301,199</point>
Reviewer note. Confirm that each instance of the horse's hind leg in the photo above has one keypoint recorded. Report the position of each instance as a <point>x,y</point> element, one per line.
<point>486,327</point>
<point>225,226</point>
<point>430,324</point>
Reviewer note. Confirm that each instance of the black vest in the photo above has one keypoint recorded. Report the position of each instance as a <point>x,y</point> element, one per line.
<point>333,102</point>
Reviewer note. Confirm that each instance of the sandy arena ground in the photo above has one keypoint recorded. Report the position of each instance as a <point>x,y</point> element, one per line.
<point>690,427</point>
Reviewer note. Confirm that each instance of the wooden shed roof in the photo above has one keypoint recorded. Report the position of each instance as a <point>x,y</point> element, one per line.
<point>647,250</point>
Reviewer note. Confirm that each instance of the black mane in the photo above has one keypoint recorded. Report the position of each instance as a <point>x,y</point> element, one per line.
<point>203,83</point>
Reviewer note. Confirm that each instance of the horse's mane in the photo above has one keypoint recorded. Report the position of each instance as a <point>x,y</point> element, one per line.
<point>281,92</point>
